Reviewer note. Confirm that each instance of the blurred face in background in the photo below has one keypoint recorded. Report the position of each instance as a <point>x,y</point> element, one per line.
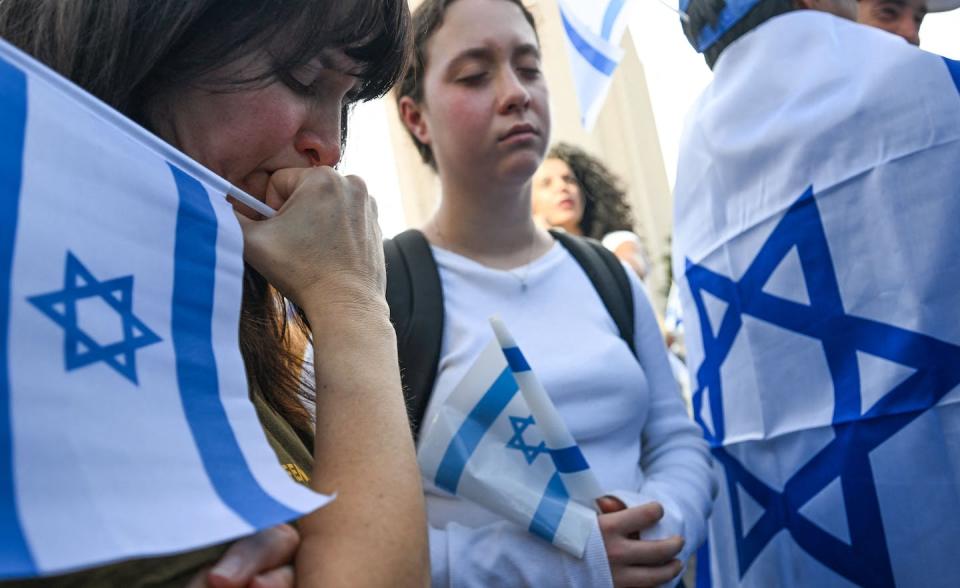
<point>900,17</point>
<point>557,199</point>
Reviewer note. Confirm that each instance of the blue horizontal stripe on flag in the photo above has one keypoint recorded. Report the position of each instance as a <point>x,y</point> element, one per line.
<point>569,460</point>
<point>550,510</point>
<point>610,17</point>
<point>471,432</point>
<point>15,557</point>
<point>954,68</point>
<point>193,286</point>
<point>598,60</point>
<point>516,360</point>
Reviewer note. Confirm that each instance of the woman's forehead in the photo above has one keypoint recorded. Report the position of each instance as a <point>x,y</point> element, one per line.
<point>482,26</point>
<point>554,165</point>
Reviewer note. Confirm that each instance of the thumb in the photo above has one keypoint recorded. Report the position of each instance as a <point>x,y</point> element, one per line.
<point>610,504</point>
<point>282,184</point>
<point>259,553</point>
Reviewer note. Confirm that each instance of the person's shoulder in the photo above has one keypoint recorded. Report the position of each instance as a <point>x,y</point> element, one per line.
<point>614,239</point>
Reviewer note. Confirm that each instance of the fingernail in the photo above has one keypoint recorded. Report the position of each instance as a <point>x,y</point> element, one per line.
<point>228,567</point>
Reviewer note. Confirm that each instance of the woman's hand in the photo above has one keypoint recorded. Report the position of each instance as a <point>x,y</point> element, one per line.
<point>262,560</point>
<point>324,242</point>
<point>635,562</point>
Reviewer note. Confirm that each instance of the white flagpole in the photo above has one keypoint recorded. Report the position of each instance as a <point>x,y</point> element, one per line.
<point>582,485</point>
<point>108,113</point>
<point>244,198</point>
<point>683,15</point>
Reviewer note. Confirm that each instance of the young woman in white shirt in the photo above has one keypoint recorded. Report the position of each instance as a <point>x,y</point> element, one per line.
<point>476,105</point>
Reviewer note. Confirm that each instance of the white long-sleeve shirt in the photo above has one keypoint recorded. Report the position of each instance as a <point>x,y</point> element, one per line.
<point>627,417</point>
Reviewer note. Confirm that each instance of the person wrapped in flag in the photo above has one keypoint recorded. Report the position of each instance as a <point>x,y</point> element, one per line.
<point>126,429</point>
<point>816,249</point>
<point>476,106</point>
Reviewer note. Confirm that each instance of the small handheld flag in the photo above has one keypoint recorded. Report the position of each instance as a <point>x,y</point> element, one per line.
<point>491,445</point>
<point>574,470</point>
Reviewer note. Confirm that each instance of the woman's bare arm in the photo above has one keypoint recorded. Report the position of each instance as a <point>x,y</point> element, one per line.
<point>324,251</point>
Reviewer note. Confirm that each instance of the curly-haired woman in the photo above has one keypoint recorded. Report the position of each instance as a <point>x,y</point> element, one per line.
<point>576,192</point>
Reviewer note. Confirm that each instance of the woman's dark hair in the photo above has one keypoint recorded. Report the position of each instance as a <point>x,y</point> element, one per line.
<point>704,13</point>
<point>605,206</point>
<point>427,18</point>
<point>127,51</point>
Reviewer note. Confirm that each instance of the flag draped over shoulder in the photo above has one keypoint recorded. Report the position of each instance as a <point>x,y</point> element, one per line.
<point>488,444</point>
<point>125,424</point>
<point>593,29</point>
<point>817,202</point>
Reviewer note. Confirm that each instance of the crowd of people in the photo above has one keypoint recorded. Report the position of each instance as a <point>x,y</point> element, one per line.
<point>259,92</point>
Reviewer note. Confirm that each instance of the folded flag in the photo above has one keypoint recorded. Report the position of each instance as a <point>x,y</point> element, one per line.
<point>509,452</point>
<point>125,425</point>
<point>593,30</point>
<point>818,248</point>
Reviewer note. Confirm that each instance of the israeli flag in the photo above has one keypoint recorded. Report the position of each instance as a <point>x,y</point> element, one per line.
<point>125,426</point>
<point>593,30</point>
<point>489,445</point>
<point>817,239</point>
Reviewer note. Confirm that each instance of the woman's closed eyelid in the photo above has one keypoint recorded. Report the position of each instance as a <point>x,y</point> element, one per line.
<point>471,77</point>
<point>323,82</point>
<point>307,73</point>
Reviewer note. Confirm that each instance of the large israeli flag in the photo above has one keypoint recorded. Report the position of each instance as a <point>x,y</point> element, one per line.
<point>816,233</point>
<point>489,445</point>
<point>593,30</point>
<point>125,427</point>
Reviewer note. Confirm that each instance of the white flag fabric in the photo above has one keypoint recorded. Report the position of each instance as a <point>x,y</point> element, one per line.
<point>125,424</point>
<point>486,445</point>
<point>577,477</point>
<point>816,214</point>
<point>593,30</point>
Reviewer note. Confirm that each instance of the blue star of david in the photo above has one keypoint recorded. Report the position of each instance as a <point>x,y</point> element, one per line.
<point>80,349</point>
<point>530,452</point>
<point>866,560</point>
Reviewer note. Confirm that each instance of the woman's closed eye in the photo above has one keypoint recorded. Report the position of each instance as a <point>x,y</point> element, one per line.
<point>304,78</point>
<point>531,73</point>
<point>300,83</point>
<point>472,78</point>
<point>320,84</point>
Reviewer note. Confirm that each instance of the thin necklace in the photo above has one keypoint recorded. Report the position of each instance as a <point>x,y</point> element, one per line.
<point>521,277</point>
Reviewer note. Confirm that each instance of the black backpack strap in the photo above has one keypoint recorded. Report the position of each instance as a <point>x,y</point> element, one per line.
<point>415,297</point>
<point>609,279</point>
